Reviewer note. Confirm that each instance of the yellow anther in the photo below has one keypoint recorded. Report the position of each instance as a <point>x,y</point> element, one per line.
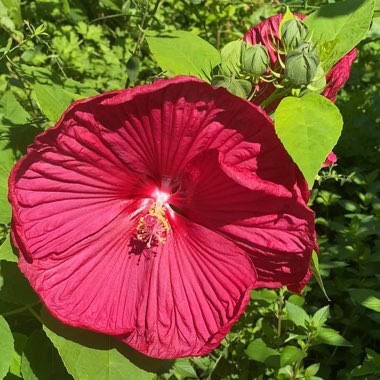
<point>153,228</point>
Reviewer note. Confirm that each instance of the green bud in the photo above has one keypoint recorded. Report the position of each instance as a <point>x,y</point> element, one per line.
<point>254,59</point>
<point>301,64</point>
<point>294,33</point>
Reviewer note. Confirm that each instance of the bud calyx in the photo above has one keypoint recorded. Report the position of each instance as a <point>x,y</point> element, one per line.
<point>301,64</point>
<point>294,33</point>
<point>254,59</point>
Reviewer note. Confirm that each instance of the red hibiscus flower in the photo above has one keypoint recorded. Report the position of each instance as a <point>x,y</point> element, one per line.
<point>150,213</point>
<point>265,33</point>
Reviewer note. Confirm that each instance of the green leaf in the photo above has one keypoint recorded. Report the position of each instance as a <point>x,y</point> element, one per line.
<point>35,74</point>
<point>337,28</point>
<point>16,288</point>
<point>111,4</point>
<point>296,299</point>
<point>312,370</point>
<point>89,355</point>
<point>309,127</point>
<point>6,347</point>
<point>349,205</point>
<point>66,6</point>
<point>41,361</point>
<point>371,365</point>
<point>76,90</point>
<point>133,68</point>
<point>52,100</point>
<point>267,295</point>
<point>320,317</point>
<point>366,297</point>
<point>291,354</point>
<point>237,87</point>
<point>7,160</point>
<point>6,251</point>
<point>296,314</point>
<point>183,53</point>
<point>183,369</point>
<point>331,337</point>
<point>13,110</point>
<point>13,9</point>
<point>19,344</point>
<point>259,351</point>
<point>230,58</point>
<point>317,274</point>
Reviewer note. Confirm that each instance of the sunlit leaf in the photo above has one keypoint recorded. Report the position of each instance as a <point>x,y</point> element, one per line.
<point>88,355</point>
<point>331,337</point>
<point>52,100</point>
<point>296,314</point>
<point>6,162</point>
<point>6,347</point>
<point>230,58</point>
<point>183,53</point>
<point>183,369</point>
<point>317,274</point>
<point>6,251</point>
<point>366,297</point>
<point>320,317</point>
<point>19,344</point>
<point>13,110</point>
<point>290,355</point>
<point>337,28</point>
<point>309,127</point>
<point>259,351</point>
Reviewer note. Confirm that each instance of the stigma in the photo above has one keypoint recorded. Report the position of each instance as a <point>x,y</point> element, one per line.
<point>153,228</point>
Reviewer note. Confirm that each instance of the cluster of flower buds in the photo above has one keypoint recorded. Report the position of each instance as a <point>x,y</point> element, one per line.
<point>290,62</point>
<point>250,65</point>
<point>302,59</point>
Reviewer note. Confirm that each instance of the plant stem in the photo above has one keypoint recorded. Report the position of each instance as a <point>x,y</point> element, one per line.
<point>299,362</point>
<point>145,24</point>
<point>20,309</point>
<point>279,316</point>
<point>14,48</point>
<point>275,95</point>
<point>35,314</point>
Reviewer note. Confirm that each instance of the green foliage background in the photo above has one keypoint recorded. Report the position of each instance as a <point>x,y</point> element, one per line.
<point>53,52</point>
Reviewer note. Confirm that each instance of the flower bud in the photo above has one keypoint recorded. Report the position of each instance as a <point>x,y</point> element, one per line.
<point>301,64</point>
<point>293,33</point>
<point>254,59</point>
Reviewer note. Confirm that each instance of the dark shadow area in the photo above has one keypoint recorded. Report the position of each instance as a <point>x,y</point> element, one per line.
<point>44,362</point>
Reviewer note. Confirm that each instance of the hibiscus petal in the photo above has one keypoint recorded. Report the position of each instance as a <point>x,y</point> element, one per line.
<point>179,299</point>
<point>197,290</point>
<point>163,125</point>
<point>158,129</point>
<point>65,192</point>
<point>338,75</point>
<point>271,222</point>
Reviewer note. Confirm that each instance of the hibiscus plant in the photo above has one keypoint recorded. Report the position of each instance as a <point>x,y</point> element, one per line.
<point>159,194</point>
